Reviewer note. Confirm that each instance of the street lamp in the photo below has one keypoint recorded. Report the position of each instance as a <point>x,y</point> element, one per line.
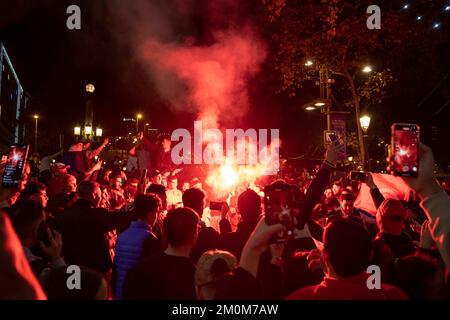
<point>138,117</point>
<point>367,69</point>
<point>365,122</point>
<point>317,104</point>
<point>77,131</point>
<point>308,63</point>
<point>98,132</point>
<point>87,130</point>
<point>90,88</point>
<point>36,118</point>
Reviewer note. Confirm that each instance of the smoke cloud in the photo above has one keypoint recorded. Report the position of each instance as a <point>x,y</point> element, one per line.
<point>210,80</point>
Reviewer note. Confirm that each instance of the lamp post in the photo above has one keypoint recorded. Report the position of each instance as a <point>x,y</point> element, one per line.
<point>324,102</point>
<point>138,117</point>
<point>36,118</point>
<point>364,122</point>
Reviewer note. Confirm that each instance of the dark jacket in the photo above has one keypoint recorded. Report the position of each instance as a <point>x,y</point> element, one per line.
<point>161,277</point>
<point>234,241</point>
<point>84,230</point>
<point>388,246</point>
<point>75,160</point>
<point>208,239</point>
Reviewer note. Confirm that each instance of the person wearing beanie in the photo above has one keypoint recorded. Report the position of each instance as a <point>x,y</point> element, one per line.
<point>391,241</point>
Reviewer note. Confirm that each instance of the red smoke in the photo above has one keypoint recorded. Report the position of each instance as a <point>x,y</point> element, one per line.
<point>208,80</point>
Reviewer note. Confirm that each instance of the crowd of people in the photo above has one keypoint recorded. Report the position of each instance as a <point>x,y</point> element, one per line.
<point>144,234</point>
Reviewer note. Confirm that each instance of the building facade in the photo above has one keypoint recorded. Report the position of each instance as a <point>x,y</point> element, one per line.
<point>13,103</point>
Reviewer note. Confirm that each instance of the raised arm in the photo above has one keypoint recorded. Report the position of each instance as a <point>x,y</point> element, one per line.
<point>96,152</point>
<point>377,197</point>
<point>435,202</point>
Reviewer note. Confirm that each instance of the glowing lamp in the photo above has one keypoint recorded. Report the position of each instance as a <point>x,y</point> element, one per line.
<point>90,88</point>
<point>88,130</point>
<point>365,122</point>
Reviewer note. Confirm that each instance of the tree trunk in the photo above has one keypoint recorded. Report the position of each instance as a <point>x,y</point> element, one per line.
<point>362,149</point>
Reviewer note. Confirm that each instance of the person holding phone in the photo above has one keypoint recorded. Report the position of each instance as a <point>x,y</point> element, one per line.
<point>29,222</point>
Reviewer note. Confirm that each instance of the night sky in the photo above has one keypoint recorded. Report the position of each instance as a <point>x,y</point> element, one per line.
<point>54,64</point>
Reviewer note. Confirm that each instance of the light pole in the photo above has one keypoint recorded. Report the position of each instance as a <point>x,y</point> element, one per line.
<point>138,117</point>
<point>36,118</point>
<point>364,122</point>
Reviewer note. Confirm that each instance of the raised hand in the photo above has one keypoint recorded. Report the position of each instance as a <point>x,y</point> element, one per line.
<point>53,251</point>
<point>425,183</point>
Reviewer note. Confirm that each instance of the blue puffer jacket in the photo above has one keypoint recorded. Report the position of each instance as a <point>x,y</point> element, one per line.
<point>129,246</point>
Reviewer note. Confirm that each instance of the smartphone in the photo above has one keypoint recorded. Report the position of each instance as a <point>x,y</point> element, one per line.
<point>405,149</point>
<point>15,165</point>
<point>358,175</point>
<point>278,208</point>
<point>215,205</point>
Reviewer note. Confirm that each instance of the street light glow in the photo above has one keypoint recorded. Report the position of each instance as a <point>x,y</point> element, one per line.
<point>367,69</point>
<point>139,116</point>
<point>308,63</point>
<point>365,122</point>
<point>36,116</point>
<point>310,108</point>
<point>88,130</point>
<point>99,132</point>
<point>90,88</point>
<point>77,131</point>
<point>319,104</point>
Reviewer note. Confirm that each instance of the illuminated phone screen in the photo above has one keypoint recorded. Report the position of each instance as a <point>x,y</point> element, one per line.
<point>14,165</point>
<point>406,150</point>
